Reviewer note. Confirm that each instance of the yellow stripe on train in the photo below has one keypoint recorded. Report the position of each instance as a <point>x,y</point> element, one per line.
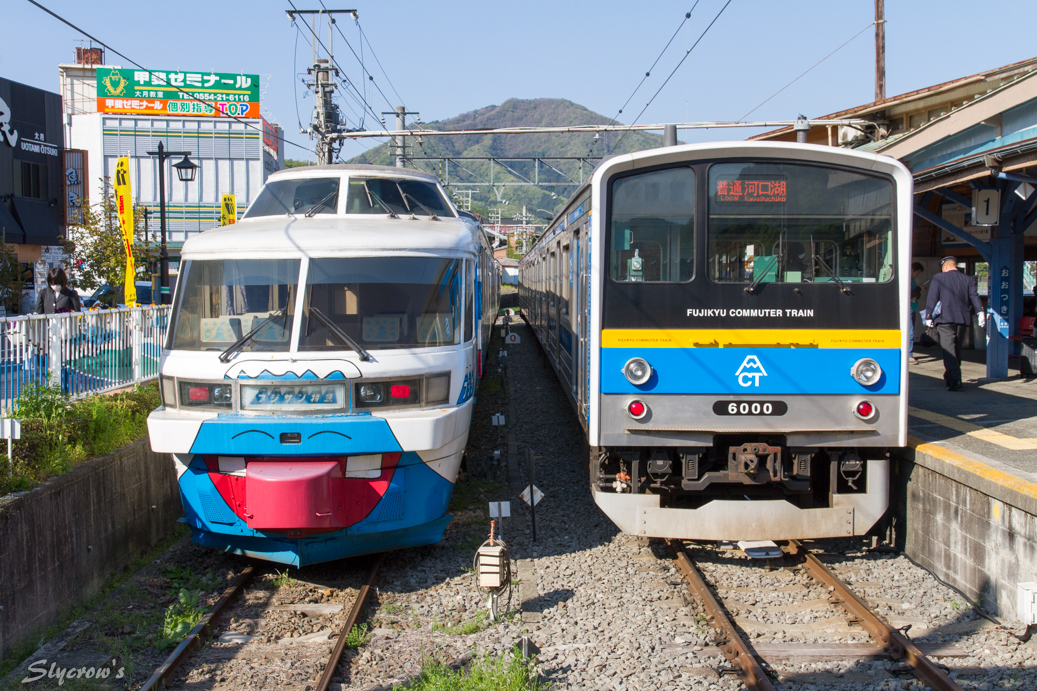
<point>750,338</point>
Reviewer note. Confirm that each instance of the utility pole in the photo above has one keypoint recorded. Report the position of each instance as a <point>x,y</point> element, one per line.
<point>880,50</point>
<point>327,119</point>
<point>401,114</point>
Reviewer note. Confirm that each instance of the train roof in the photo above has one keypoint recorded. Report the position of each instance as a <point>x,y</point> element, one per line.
<point>355,168</point>
<point>279,236</point>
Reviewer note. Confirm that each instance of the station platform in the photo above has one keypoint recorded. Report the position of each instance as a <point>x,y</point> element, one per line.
<point>992,421</point>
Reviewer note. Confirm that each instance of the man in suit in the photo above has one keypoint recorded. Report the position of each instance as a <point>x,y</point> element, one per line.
<point>950,295</point>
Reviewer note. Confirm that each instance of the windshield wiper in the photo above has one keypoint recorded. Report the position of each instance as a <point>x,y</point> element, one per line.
<point>431,215</point>
<point>320,205</point>
<point>338,333</point>
<point>842,286</point>
<point>240,343</point>
<point>759,279</point>
<point>385,207</point>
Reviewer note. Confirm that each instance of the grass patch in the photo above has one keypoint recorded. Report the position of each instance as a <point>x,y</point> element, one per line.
<point>357,636</point>
<point>475,494</point>
<point>510,673</point>
<point>58,434</point>
<point>27,646</point>
<point>467,627</point>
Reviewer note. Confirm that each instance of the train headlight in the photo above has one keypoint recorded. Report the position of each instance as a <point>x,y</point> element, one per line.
<point>637,371</point>
<point>866,371</point>
<point>168,389</point>
<point>371,394</point>
<point>205,395</point>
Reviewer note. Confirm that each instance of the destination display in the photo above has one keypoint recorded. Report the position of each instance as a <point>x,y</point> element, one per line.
<point>755,189</point>
<point>164,92</point>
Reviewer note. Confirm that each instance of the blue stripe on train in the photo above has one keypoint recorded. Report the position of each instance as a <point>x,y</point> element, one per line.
<point>781,371</point>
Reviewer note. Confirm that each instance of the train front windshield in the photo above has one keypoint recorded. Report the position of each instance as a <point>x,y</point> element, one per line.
<point>786,223</point>
<point>223,300</point>
<point>382,302</point>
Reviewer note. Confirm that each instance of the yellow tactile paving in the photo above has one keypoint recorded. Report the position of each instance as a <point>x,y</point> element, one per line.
<point>976,467</point>
<point>974,430</point>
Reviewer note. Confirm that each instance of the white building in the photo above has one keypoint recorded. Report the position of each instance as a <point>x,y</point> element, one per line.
<point>235,156</point>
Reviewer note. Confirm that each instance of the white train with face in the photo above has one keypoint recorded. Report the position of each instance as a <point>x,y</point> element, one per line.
<point>321,364</point>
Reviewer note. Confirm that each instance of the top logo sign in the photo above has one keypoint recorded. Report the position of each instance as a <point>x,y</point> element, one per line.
<point>161,92</point>
<point>750,371</point>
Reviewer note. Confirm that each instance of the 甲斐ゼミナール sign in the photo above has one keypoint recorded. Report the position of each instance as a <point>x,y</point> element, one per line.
<point>163,92</point>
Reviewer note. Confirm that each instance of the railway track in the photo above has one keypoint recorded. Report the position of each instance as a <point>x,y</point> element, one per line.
<point>886,640</point>
<point>172,672</point>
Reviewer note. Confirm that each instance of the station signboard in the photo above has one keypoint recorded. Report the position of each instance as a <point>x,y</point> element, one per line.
<point>164,92</point>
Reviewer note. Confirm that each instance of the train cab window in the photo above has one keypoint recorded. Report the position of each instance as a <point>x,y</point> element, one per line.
<point>399,195</point>
<point>296,197</point>
<point>653,227</point>
<point>224,300</point>
<point>382,302</point>
<point>792,223</point>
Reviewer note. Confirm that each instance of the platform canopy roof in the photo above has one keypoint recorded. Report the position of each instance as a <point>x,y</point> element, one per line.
<point>948,133</point>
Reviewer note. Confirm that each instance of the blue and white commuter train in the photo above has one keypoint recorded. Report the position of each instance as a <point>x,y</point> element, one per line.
<point>730,322</point>
<point>321,363</point>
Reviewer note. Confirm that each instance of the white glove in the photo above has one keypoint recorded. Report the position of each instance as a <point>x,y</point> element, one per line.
<point>981,319</point>
<point>928,323</point>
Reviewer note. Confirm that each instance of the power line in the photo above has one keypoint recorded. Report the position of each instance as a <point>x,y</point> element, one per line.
<point>687,16</point>
<point>363,36</point>
<point>805,73</point>
<point>363,69</point>
<point>150,73</point>
<point>704,32</point>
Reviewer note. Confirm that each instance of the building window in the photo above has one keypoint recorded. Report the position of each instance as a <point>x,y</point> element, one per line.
<point>28,180</point>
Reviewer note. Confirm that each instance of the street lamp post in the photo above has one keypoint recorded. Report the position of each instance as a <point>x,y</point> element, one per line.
<point>185,171</point>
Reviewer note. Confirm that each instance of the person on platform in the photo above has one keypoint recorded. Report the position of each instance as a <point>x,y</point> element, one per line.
<point>950,295</point>
<point>57,297</point>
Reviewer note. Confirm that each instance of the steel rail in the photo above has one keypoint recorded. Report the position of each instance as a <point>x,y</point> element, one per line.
<point>193,640</point>
<point>732,645</point>
<point>354,614</point>
<point>892,641</point>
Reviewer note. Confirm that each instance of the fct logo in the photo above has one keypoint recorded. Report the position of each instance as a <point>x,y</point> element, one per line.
<point>750,371</point>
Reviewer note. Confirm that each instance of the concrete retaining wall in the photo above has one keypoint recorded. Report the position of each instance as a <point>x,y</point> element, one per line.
<point>970,523</point>
<point>61,541</point>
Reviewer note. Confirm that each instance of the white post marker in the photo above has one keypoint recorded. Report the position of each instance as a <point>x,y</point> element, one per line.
<point>10,429</point>
<point>498,420</point>
<point>537,495</point>
<point>500,510</point>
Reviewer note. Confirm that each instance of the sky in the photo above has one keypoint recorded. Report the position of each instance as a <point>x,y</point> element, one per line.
<point>445,58</point>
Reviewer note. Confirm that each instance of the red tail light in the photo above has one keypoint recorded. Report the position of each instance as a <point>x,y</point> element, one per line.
<point>865,410</point>
<point>399,391</point>
<point>637,409</point>
<point>198,393</point>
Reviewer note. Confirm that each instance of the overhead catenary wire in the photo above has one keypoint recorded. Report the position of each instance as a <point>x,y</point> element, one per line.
<point>648,73</point>
<point>133,62</point>
<point>871,24</point>
<point>363,69</point>
<point>363,35</point>
<point>663,86</point>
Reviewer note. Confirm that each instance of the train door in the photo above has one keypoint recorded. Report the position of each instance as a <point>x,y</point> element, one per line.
<point>565,323</point>
<point>577,314</point>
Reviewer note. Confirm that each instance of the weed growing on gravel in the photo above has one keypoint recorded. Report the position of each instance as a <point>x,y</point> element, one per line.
<point>467,627</point>
<point>283,580</point>
<point>391,608</point>
<point>357,636</point>
<point>510,673</point>
<point>183,578</point>
<point>473,494</point>
<point>181,617</point>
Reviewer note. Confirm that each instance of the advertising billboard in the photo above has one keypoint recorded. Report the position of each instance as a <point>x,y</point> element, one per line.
<point>164,92</point>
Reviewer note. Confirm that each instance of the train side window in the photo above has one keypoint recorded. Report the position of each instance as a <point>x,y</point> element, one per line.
<point>653,227</point>
<point>469,322</point>
<point>775,222</point>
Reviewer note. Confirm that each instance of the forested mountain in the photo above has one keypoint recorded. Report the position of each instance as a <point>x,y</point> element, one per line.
<point>515,112</point>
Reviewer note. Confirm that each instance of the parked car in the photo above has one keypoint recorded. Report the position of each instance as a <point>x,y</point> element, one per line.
<point>106,296</point>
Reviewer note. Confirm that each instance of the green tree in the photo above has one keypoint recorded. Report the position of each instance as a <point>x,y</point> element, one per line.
<point>95,246</point>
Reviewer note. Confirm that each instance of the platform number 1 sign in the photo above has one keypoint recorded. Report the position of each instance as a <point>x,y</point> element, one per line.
<point>986,207</point>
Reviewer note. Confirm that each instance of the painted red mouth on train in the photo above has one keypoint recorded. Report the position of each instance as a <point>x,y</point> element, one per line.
<point>302,496</point>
